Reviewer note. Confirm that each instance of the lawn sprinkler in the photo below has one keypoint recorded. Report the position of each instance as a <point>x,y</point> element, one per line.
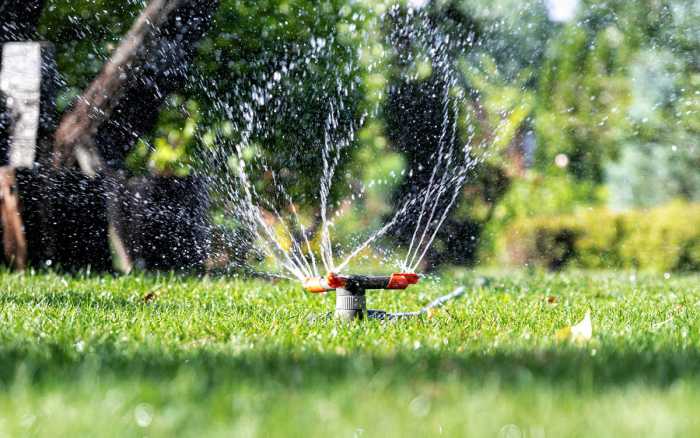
<point>350,301</point>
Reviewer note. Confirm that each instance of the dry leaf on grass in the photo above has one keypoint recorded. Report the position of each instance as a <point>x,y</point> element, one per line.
<point>581,332</point>
<point>432,312</point>
<point>152,294</point>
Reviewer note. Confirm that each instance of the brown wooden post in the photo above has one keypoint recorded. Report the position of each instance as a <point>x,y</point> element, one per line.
<point>13,240</point>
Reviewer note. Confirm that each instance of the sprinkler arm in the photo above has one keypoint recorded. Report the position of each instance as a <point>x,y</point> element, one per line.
<point>332,281</point>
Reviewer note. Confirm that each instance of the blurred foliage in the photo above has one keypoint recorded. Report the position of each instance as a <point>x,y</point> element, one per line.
<point>651,174</point>
<point>599,108</point>
<point>175,136</point>
<point>615,114</point>
<point>621,76</point>
<point>534,194</point>
<point>662,239</point>
<point>84,32</point>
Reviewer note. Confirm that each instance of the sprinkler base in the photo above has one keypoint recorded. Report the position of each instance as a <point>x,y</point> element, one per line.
<point>350,304</point>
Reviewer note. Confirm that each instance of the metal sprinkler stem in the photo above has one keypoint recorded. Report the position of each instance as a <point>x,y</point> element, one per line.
<point>350,298</point>
<point>350,303</point>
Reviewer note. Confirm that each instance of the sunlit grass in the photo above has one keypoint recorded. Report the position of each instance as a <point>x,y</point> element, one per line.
<point>88,355</point>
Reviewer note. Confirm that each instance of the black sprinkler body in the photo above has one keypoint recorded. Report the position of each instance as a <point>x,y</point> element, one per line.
<point>350,300</point>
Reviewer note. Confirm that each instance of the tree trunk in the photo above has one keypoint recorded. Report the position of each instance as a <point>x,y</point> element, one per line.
<point>13,240</point>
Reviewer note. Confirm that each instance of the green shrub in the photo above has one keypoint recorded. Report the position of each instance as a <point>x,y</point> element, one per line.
<point>662,239</point>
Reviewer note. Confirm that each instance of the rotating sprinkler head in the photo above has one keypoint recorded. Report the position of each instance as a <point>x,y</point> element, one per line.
<point>350,302</point>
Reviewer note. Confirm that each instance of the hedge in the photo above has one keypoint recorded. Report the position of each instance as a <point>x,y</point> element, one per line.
<point>662,239</point>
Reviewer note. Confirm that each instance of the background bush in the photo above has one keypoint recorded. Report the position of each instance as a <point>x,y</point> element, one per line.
<point>662,239</point>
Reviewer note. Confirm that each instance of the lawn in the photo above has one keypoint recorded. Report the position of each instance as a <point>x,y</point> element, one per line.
<point>88,355</point>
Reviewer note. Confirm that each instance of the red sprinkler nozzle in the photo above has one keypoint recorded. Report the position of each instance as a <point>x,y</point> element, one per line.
<point>350,289</point>
<point>318,285</point>
<point>402,280</point>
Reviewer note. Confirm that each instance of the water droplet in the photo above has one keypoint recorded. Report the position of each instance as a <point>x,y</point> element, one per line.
<point>143,415</point>
<point>420,406</point>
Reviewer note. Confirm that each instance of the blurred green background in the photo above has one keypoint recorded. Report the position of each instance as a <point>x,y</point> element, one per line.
<point>588,111</point>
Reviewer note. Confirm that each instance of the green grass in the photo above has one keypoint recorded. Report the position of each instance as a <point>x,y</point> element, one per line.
<point>87,356</point>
